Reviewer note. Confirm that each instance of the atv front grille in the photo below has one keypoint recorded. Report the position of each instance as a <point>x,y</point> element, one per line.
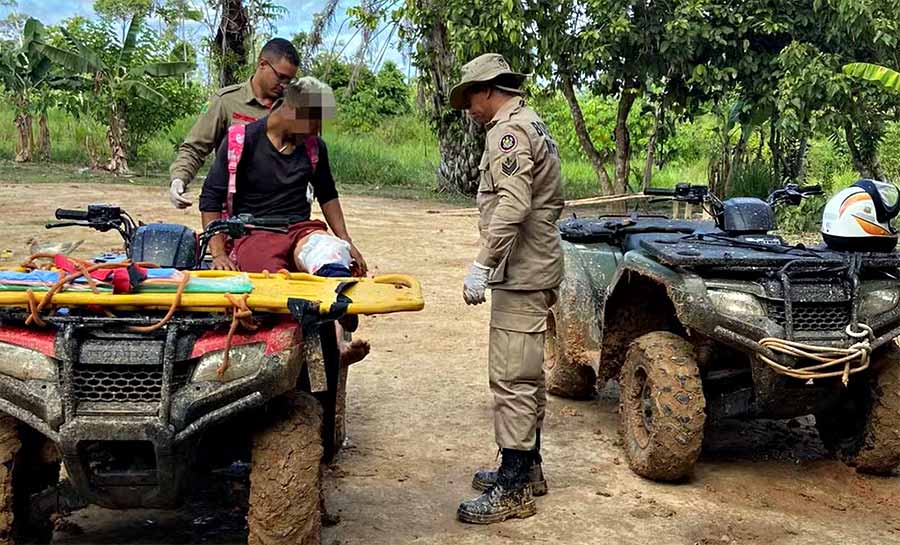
<point>118,383</point>
<point>812,316</point>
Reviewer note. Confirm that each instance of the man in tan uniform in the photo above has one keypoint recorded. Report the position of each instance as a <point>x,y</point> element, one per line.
<point>519,199</point>
<point>241,103</point>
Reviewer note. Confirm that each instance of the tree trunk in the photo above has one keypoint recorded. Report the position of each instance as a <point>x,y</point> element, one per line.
<point>651,146</point>
<point>623,139</point>
<point>44,137</point>
<point>24,139</point>
<point>737,161</point>
<point>231,40</point>
<point>116,135</point>
<point>598,159</point>
<point>460,139</point>
<point>775,149</point>
<point>864,157</point>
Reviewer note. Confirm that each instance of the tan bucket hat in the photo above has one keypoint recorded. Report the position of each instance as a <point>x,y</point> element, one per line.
<point>482,69</point>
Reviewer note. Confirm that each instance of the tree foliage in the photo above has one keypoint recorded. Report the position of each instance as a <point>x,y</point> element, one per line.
<point>123,83</point>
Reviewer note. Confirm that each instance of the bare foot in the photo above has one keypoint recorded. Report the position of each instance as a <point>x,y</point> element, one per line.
<point>354,352</point>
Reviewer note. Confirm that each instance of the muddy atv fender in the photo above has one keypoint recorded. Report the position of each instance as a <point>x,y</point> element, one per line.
<point>572,349</point>
<point>643,297</point>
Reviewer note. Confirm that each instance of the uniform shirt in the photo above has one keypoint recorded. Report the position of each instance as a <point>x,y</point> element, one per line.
<point>268,183</point>
<point>519,200</point>
<point>229,105</point>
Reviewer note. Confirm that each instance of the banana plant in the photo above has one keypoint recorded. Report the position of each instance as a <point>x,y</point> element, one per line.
<point>25,73</point>
<point>887,78</point>
<point>115,81</point>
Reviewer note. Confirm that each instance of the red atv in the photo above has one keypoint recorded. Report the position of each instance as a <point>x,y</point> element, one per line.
<point>134,411</point>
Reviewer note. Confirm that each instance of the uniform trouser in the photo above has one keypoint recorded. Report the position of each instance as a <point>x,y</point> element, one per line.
<point>516,361</point>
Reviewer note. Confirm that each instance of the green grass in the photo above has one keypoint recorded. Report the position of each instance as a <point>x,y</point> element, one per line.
<point>398,159</point>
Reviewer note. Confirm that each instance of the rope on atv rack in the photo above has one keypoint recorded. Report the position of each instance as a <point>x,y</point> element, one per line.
<point>828,357</point>
<point>84,270</point>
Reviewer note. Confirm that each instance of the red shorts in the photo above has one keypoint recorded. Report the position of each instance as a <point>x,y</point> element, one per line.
<point>262,250</point>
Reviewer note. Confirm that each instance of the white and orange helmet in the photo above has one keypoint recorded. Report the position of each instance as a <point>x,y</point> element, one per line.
<point>859,217</point>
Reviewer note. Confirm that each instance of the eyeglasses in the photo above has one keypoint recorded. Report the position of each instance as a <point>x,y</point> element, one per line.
<point>282,78</point>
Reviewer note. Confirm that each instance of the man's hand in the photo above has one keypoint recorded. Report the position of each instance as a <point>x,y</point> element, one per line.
<point>176,194</point>
<point>356,257</point>
<point>475,284</point>
<point>221,262</point>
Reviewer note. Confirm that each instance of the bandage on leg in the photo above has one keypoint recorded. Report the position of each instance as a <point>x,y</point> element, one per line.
<point>324,255</point>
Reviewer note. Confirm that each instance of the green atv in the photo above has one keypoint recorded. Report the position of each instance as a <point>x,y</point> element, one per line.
<point>704,320</point>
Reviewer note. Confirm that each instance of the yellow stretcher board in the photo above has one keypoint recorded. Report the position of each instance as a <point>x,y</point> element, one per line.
<point>378,295</point>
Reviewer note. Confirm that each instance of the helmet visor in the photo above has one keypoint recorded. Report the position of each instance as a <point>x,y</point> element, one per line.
<point>890,195</point>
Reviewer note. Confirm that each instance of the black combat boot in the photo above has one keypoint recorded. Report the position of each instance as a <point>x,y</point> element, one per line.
<point>486,478</point>
<point>509,497</point>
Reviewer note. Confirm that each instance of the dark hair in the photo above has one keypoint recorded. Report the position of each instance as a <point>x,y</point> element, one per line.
<point>506,80</point>
<point>279,48</point>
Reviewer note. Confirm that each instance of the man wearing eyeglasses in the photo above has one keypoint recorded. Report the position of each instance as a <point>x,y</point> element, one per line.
<point>241,103</point>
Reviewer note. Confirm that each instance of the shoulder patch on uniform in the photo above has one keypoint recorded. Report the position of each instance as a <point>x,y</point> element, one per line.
<point>508,142</point>
<point>229,89</point>
<point>205,107</point>
<point>510,165</point>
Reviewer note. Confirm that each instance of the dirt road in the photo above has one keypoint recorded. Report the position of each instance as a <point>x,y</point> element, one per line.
<point>419,425</point>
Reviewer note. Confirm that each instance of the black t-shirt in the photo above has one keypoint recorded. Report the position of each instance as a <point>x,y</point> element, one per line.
<point>269,183</point>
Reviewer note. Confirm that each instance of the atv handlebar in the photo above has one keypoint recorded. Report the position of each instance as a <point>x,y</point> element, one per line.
<point>793,194</point>
<point>238,227</point>
<point>102,217</point>
<point>695,194</point>
<point>76,215</point>
<point>659,192</point>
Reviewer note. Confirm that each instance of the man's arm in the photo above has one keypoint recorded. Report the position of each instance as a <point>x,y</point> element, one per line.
<point>512,170</point>
<point>200,142</point>
<point>212,199</point>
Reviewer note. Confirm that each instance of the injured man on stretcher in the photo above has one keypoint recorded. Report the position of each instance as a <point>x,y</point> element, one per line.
<point>273,169</point>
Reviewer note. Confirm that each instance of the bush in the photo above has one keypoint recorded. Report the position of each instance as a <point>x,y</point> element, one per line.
<point>754,179</point>
<point>804,218</point>
<point>826,160</point>
<point>889,152</point>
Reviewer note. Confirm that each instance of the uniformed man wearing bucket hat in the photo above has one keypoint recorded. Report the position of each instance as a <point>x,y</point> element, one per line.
<point>519,200</point>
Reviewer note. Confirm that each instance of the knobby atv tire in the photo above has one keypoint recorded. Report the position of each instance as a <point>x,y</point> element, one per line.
<point>864,431</point>
<point>26,468</point>
<point>285,475</point>
<point>662,406</point>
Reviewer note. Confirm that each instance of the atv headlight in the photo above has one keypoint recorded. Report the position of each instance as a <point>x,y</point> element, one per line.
<point>25,364</point>
<point>243,360</point>
<point>877,302</point>
<point>736,303</point>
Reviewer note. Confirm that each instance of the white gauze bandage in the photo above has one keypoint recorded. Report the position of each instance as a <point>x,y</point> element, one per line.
<point>321,250</point>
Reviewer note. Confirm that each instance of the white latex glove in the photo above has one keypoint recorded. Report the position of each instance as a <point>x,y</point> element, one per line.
<point>176,194</point>
<point>475,284</point>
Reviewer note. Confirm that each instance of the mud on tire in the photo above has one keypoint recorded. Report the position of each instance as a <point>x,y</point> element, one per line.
<point>662,406</point>
<point>285,476</point>
<point>864,430</point>
<point>27,467</point>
